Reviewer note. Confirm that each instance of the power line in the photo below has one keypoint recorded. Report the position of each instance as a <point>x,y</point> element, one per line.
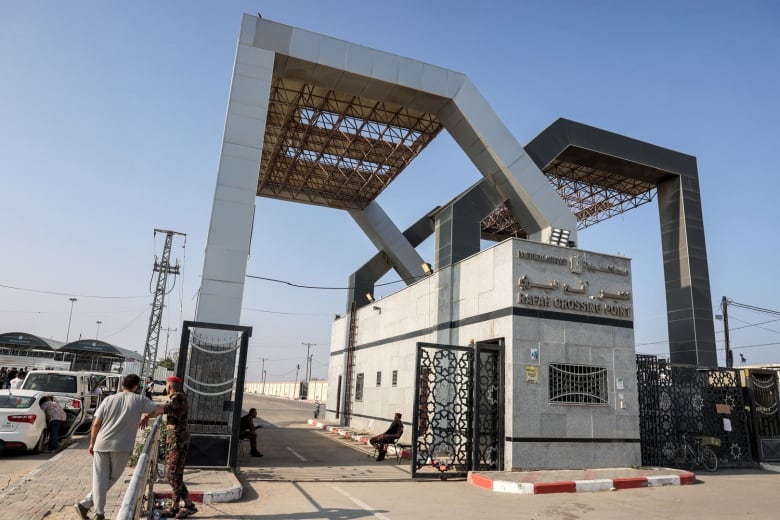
<point>73,294</point>
<point>321,287</point>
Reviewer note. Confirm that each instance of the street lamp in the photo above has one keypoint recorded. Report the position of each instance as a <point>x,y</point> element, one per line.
<point>70,317</point>
<point>97,332</point>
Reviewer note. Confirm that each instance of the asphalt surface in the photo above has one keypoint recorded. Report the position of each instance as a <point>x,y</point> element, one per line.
<point>307,473</point>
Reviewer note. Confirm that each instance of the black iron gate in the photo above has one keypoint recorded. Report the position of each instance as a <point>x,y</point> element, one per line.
<point>762,397</point>
<point>675,399</point>
<point>458,417</point>
<point>212,361</point>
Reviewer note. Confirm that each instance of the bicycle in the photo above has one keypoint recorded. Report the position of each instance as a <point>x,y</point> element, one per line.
<point>698,452</point>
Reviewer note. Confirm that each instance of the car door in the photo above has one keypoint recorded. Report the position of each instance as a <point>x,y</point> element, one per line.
<point>75,412</point>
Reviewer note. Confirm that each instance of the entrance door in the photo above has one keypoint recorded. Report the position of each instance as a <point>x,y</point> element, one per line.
<point>458,414</point>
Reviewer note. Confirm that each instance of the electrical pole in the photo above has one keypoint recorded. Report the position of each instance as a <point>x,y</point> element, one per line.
<point>72,301</point>
<point>724,303</point>
<point>263,389</point>
<point>308,367</point>
<point>167,336</point>
<point>262,368</point>
<point>163,268</point>
<point>297,367</point>
<point>311,358</point>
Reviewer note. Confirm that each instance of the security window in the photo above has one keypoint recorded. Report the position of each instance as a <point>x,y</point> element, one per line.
<point>395,377</point>
<point>578,384</point>
<point>379,379</point>
<point>359,387</point>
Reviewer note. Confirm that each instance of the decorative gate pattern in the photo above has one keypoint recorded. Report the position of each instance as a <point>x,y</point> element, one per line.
<point>489,423</point>
<point>682,399</point>
<point>763,396</point>
<point>211,363</point>
<point>450,433</point>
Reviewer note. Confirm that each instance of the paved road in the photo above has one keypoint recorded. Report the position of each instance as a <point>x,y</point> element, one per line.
<point>337,481</point>
<point>310,474</point>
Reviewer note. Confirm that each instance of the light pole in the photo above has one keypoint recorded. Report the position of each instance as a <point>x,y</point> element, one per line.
<point>72,301</point>
<point>97,332</point>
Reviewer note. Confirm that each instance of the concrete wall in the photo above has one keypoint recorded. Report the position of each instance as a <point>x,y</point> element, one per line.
<point>485,298</point>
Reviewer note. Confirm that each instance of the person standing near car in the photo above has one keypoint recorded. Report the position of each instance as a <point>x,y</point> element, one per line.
<point>149,388</point>
<point>17,381</point>
<point>111,441</point>
<point>55,419</point>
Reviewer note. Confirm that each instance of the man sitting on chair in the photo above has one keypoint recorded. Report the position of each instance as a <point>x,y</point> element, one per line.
<point>248,431</point>
<point>393,433</point>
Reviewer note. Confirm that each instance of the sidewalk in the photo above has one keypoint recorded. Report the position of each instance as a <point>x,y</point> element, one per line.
<point>551,481</point>
<point>51,490</point>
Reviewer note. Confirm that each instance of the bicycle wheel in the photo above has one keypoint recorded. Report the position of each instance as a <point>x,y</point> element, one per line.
<point>709,458</point>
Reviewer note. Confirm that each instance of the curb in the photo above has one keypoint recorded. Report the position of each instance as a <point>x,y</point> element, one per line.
<point>231,494</point>
<point>579,486</point>
<point>346,432</point>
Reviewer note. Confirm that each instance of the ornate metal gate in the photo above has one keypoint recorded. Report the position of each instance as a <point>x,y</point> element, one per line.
<point>676,399</point>
<point>458,416</point>
<point>212,361</point>
<point>763,399</point>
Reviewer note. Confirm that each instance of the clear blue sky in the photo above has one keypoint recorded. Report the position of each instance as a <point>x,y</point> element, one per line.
<point>111,120</point>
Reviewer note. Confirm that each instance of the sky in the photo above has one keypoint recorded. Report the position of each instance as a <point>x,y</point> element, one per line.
<point>111,121</point>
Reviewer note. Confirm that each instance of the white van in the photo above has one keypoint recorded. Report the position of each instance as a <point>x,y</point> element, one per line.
<point>88,387</point>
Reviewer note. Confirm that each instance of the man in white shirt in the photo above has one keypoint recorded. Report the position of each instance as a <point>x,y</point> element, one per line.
<point>18,380</point>
<point>112,440</point>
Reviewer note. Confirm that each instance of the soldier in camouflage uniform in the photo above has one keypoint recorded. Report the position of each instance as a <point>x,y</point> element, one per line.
<point>177,441</point>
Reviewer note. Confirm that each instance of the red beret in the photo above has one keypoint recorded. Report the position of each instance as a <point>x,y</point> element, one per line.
<point>174,379</point>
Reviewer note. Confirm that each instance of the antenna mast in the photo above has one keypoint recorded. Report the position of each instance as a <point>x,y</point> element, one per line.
<point>163,268</point>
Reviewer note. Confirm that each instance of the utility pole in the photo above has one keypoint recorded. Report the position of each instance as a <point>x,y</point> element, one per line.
<point>297,367</point>
<point>163,268</point>
<point>724,303</point>
<point>308,367</point>
<point>262,391</point>
<point>70,317</point>
<point>311,358</point>
<point>262,370</point>
<point>97,332</point>
<point>167,336</point>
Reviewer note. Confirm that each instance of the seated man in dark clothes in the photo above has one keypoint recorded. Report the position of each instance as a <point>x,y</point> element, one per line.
<point>394,432</point>
<point>247,431</point>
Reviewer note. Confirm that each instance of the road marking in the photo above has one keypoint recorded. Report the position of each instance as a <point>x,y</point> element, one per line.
<point>362,504</point>
<point>296,454</point>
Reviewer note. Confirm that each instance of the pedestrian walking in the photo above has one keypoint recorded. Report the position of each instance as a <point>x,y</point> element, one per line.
<point>111,441</point>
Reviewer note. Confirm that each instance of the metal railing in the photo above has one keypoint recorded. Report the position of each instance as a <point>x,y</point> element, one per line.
<point>142,482</point>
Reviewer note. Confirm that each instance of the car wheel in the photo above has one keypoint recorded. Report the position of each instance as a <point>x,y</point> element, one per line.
<point>39,446</point>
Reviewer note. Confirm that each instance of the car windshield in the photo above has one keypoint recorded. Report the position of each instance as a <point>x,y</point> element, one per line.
<point>16,401</point>
<point>64,383</point>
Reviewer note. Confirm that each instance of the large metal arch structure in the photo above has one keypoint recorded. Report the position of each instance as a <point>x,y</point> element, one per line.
<point>317,120</point>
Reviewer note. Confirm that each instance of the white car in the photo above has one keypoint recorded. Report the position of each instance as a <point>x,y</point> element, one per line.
<point>23,421</point>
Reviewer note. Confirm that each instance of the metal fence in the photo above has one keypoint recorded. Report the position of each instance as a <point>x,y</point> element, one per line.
<point>678,399</point>
<point>138,500</point>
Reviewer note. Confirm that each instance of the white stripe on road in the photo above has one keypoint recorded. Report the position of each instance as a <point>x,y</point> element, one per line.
<point>362,504</point>
<point>296,453</point>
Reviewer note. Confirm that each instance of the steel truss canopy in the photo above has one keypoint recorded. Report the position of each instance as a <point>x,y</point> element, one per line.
<point>339,150</point>
<point>334,149</point>
<point>598,174</point>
